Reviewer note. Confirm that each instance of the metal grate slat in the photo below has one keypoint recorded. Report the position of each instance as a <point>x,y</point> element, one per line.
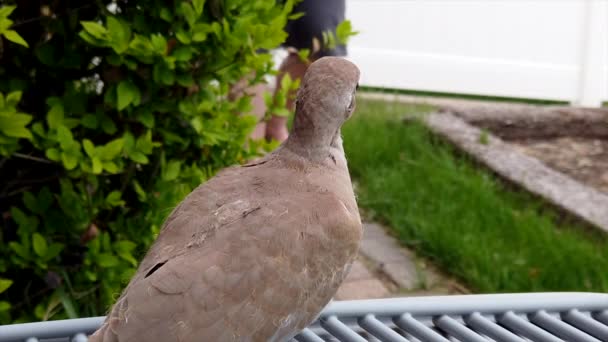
<point>340,330</point>
<point>542,317</point>
<point>380,330</point>
<point>79,338</point>
<point>421,331</point>
<point>525,328</point>
<point>493,330</point>
<point>307,335</point>
<point>563,330</point>
<point>586,323</point>
<point>458,330</point>
<point>602,316</point>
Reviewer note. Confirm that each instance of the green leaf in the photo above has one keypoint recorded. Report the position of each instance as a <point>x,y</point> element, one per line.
<point>123,249</point>
<point>4,305</point>
<point>144,143</point>
<point>65,136</point>
<point>127,93</point>
<point>13,98</point>
<point>48,54</point>
<point>128,257</point>
<point>91,276</point>
<point>296,16</point>
<point>69,160</point>
<point>19,217</point>
<point>160,43</point>
<point>53,154</point>
<point>197,124</point>
<point>14,37</point>
<point>198,6</point>
<point>5,24</point>
<point>286,82</point>
<point>38,128</point>
<point>30,202</point>
<point>304,54</point>
<point>188,107</point>
<point>54,117</point>
<point>108,125</point>
<point>40,245</point>
<point>162,74</point>
<point>283,112</point>
<point>5,284</point>
<point>188,12</point>
<point>45,199</point>
<point>14,125</point>
<point>112,149</point>
<point>20,133</point>
<point>344,31</point>
<point>165,14</point>
<point>95,29</point>
<point>183,37</point>
<point>110,167</point>
<point>124,246</point>
<point>182,53</point>
<point>200,32</point>
<point>107,260</point>
<point>97,165</point>
<point>113,199</point>
<point>53,251</point>
<point>141,46</point>
<point>5,11</point>
<point>139,157</point>
<point>67,303</point>
<point>141,194</point>
<point>129,142</point>
<point>87,37</point>
<point>172,170</point>
<point>185,80</point>
<point>146,117</point>
<point>120,34</point>
<point>89,148</point>
<point>19,250</point>
<point>89,121</point>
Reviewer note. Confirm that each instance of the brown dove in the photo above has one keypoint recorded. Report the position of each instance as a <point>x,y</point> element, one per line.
<point>256,252</point>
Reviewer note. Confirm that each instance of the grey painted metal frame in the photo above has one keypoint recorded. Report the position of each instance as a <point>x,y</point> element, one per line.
<point>561,316</point>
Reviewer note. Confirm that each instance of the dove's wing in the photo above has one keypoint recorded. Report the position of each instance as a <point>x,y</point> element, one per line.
<point>260,274</point>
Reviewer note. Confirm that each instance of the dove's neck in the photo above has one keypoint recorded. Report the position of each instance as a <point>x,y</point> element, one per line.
<point>315,147</point>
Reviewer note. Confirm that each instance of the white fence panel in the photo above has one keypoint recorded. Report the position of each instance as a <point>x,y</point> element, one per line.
<point>539,49</point>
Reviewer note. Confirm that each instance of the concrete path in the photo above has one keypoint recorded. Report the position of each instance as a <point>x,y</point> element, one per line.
<point>385,269</point>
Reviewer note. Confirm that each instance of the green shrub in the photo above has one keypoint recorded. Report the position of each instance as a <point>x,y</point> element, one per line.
<point>110,113</point>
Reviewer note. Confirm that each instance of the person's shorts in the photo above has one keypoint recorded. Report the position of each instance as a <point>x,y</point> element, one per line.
<point>319,16</point>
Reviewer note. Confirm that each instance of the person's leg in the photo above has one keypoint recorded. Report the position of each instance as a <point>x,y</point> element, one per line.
<point>319,16</point>
<point>276,127</point>
<point>259,109</point>
<point>257,101</point>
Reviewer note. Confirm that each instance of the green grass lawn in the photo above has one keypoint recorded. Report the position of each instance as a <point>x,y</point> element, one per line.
<point>471,225</point>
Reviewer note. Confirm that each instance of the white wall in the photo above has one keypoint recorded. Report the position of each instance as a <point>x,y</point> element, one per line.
<point>543,49</point>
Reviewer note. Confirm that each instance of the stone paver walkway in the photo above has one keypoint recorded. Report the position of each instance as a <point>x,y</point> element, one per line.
<point>385,269</point>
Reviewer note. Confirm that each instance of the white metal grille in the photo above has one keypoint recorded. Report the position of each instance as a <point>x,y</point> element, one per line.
<point>544,317</point>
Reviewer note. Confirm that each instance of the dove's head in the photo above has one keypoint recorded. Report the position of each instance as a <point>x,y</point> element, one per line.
<point>325,100</point>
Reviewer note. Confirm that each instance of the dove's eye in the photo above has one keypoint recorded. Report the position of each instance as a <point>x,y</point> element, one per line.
<point>351,106</point>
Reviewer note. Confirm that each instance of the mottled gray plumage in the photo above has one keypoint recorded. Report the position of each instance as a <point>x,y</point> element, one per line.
<point>255,253</point>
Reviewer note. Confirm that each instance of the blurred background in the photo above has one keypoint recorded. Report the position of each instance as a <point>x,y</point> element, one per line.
<point>549,50</point>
